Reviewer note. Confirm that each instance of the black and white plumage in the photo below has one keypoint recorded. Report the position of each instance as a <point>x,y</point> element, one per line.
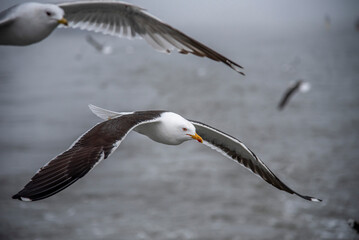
<point>29,23</point>
<point>298,86</point>
<point>161,126</point>
<point>98,143</point>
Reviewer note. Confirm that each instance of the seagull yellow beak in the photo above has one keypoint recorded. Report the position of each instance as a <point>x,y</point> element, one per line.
<point>63,21</point>
<point>197,137</point>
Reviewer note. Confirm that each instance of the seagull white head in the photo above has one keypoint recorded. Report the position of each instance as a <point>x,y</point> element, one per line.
<point>46,14</point>
<point>178,129</point>
<point>55,14</point>
<point>172,129</point>
<point>35,22</point>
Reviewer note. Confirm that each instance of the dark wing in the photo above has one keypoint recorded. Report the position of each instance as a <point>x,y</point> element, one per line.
<point>288,93</point>
<point>126,20</point>
<point>354,224</point>
<point>236,150</point>
<point>84,154</point>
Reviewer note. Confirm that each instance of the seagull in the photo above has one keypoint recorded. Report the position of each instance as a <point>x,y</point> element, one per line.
<point>29,23</point>
<point>164,127</point>
<point>102,48</point>
<point>300,85</point>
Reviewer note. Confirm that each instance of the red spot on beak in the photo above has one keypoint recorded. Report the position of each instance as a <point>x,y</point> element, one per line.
<point>197,137</point>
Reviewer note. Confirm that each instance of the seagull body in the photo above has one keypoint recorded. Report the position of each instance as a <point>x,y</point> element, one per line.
<point>29,23</point>
<point>298,86</point>
<point>161,126</point>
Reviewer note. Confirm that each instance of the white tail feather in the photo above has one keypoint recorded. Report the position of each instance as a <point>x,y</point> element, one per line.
<point>106,114</point>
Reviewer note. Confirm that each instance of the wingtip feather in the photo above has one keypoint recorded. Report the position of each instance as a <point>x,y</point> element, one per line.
<point>312,199</point>
<point>24,199</point>
<point>316,200</point>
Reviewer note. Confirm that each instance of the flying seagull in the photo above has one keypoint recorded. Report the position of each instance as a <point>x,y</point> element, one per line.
<point>29,23</point>
<point>102,48</point>
<point>300,85</point>
<point>161,126</point>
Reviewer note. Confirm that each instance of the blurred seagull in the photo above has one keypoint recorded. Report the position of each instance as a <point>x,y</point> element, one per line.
<point>300,85</point>
<point>29,23</point>
<point>161,126</point>
<point>102,48</point>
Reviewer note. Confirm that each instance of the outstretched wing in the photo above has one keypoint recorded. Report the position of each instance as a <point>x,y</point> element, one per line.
<point>84,154</point>
<point>126,20</point>
<point>236,150</point>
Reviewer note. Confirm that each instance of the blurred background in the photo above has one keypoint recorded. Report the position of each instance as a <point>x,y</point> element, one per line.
<point>147,190</point>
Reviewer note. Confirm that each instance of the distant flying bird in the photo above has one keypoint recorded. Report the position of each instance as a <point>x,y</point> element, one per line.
<point>29,23</point>
<point>102,48</point>
<point>357,25</point>
<point>161,126</point>
<point>300,85</point>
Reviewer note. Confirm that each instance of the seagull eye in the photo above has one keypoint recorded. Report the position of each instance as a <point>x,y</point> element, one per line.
<point>184,129</point>
<point>48,13</point>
